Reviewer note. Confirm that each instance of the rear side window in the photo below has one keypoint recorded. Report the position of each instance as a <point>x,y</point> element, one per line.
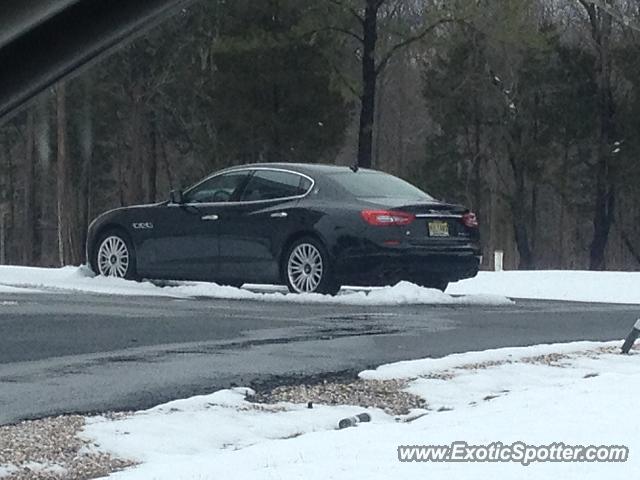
<point>367,184</point>
<point>273,184</point>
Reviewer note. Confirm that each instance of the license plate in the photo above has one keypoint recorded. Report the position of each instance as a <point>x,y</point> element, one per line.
<point>438,229</point>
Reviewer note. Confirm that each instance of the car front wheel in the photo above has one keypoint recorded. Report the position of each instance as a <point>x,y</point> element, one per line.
<point>115,256</point>
<point>307,269</point>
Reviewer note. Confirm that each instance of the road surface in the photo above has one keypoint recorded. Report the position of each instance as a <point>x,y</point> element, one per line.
<point>83,353</point>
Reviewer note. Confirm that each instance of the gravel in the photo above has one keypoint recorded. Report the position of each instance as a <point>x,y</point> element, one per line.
<point>387,395</point>
<point>50,449</point>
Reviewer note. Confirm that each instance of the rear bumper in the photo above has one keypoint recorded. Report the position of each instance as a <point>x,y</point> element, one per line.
<point>383,266</point>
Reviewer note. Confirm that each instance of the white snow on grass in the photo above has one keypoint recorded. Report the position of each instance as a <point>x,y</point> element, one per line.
<point>588,397</point>
<point>417,368</point>
<point>81,279</point>
<point>488,288</point>
<point>68,279</point>
<point>579,286</point>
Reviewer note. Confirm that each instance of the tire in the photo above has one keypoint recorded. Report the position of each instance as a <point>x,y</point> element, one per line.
<point>306,268</point>
<point>114,256</point>
<point>437,283</point>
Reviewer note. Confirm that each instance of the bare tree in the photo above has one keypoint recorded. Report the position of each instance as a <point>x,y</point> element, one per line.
<point>367,15</point>
<point>29,211</point>
<point>600,25</point>
<point>66,245</point>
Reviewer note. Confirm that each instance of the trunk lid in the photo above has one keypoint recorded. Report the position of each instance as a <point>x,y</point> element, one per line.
<point>435,221</point>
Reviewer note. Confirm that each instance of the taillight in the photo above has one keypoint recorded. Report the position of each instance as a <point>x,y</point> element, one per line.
<point>470,220</point>
<point>382,218</point>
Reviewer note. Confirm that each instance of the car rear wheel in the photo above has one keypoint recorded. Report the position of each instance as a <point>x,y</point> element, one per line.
<point>115,256</point>
<point>307,269</point>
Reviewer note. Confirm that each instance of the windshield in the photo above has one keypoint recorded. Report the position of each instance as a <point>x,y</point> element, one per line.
<point>367,184</point>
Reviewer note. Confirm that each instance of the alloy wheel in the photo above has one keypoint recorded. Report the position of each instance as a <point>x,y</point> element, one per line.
<point>113,257</point>
<point>305,268</point>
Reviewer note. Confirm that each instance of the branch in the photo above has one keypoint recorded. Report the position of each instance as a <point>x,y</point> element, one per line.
<point>351,10</point>
<point>408,41</point>
<point>590,6</point>
<point>395,10</point>
<point>344,31</point>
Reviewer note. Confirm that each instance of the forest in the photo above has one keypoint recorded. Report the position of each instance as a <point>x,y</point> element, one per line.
<point>527,111</point>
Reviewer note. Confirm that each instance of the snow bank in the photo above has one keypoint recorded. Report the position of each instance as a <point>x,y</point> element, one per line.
<point>604,287</point>
<point>404,293</point>
<point>8,289</point>
<point>81,279</point>
<point>488,288</point>
<point>208,424</point>
<point>416,368</point>
<point>587,400</point>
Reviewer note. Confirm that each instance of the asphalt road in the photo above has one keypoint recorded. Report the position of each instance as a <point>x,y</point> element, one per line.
<point>69,353</point>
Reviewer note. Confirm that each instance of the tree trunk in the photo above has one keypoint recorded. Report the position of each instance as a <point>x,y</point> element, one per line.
<point>153,163</point>
<point>3,237</point>
<point>369,80</point>
<point>520,214</point>
<point>29,217</point>
<point>86,191</point>
<point>46,197</point>
<point>65,237</point>
<point>605,196</point>
<point>165,157</point>
<point>134,181</point>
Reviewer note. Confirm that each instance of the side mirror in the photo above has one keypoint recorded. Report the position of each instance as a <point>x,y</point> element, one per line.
<point>176,197</point>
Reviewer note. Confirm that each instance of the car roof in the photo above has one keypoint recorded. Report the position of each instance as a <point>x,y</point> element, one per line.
<point>304,168</point>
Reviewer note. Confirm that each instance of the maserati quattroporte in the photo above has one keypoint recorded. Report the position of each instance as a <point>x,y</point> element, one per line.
<point>310,227</point>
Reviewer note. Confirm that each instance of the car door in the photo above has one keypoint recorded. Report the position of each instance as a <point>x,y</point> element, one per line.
<point>185,243</point>
<point>253,230</point>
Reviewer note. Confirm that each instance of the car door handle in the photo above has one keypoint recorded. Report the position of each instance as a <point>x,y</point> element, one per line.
<point>279,215</point>
<point>210,218</point>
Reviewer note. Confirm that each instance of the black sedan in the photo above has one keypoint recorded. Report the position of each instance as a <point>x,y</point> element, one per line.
<point>311,227</point>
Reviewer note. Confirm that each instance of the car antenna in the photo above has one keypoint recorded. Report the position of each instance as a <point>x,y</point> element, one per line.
<point>354,167</point>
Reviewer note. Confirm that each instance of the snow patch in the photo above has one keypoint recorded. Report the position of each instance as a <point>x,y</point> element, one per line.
<point>6,470</point>
<point>8,289</point>
<point>416,368</point>
<point>578,286</point>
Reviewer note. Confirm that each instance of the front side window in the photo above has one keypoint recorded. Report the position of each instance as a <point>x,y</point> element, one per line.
<point>273,184</point>
<point>218,189</point>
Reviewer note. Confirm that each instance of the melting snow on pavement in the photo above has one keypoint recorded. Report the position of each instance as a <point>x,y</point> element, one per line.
<point>579,394</point>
